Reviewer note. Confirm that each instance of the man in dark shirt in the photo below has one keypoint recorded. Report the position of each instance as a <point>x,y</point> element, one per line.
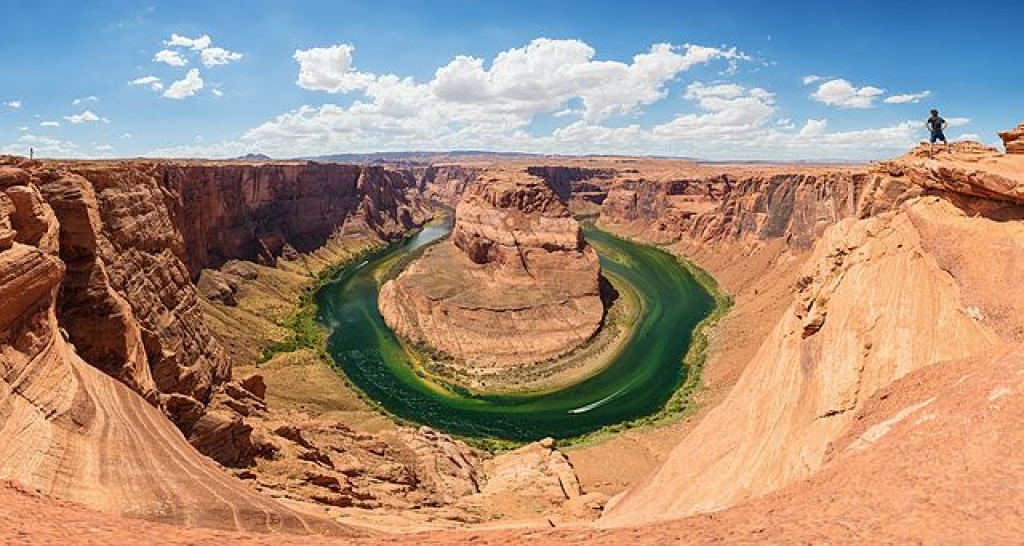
<point>936,125</point>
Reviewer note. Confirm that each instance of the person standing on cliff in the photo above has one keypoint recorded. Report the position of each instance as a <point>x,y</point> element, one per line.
<point>936,125</point>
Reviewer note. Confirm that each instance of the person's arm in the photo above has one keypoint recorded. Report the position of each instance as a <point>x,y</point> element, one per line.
<point>944,124</point>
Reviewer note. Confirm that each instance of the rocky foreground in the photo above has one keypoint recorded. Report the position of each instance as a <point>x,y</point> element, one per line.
<point>866,387</point>
<point>515,284</point>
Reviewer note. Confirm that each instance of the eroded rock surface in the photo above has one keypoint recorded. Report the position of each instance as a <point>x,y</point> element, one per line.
<point>516,283</point>
<point>1013,139</point>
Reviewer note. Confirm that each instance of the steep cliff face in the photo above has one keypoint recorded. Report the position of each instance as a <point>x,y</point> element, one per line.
<point>70,430</point>
<point>516,283</point>
<point>747,207</point>
<point>918,276</point>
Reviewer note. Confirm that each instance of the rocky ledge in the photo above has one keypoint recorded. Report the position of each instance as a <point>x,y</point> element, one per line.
<point>516,283</point>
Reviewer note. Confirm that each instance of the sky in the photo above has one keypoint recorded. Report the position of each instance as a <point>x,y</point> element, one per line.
<point>715,80</point>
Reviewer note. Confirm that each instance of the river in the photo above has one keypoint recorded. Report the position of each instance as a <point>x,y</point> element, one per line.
<point>640,380</point>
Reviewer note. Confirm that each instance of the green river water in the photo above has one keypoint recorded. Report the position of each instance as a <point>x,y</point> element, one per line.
<point>640,380</point>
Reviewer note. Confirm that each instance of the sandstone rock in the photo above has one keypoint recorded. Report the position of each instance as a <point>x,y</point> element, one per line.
<point>516,283</point>
<point>78,434</point>
<point>1013,140</point>
<point>895,287</point>
<point>255,385</point>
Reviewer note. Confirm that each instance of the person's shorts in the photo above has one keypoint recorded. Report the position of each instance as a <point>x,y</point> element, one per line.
<point>937,135</point>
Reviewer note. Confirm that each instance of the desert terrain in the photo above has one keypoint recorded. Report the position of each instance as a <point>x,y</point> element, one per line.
<point>163,377</point>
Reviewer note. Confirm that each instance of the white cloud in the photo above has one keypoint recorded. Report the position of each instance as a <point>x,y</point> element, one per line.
<point>196,44</point>
<point>23,128</point>
<point>185,87</point>
<point>103,147</point>
<point>329,69</point>
<point>43,146</point>
<point>958,122</point>
<point>493,104</point>
<point>808,80</point>
<point>841,93</point>
<point>214,56</point>
<point>171,57</point>
<point>813,128</point>
<point>80,100</point>
<point>14,104</point>
<point>153,82</point>
<point>50,124</point>
<point>217,92</point>
<point>85,117</point>
<point>969,136</point>
<point>908,97</point>
<point>544,76</point>
<point>126,135</point>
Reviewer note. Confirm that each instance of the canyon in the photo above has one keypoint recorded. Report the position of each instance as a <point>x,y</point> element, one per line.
<point>866,384</point>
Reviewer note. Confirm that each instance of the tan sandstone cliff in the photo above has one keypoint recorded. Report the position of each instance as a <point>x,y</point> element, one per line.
<point>922,275</point>
<point>516,284</point>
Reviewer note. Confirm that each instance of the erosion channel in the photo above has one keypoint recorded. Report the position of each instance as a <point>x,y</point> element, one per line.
<point>639,381</point>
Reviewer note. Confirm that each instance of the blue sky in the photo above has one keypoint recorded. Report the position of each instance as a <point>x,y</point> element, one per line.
<point>722,80</point>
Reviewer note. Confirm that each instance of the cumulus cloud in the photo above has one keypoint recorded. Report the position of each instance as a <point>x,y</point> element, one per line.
<point>14,104</point>
<point>493,104</point>
<point>813,128</point>
<point>197,44</point>
<point>216,56</point>
<point>85,117</point>
<point>908,97</point>
<point>541,77</point>
<point>171,57</point>
<point>841,93</point>
<point>80,100</point>
<point>50,124</point>
<point>726,109</point>
<point>185,87</point>
<point>329,69</point>
<point>152,82</point>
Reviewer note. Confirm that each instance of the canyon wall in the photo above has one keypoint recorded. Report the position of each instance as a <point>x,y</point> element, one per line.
<point>98,267</point>
<point>915,269</point>
<point>70,430</point>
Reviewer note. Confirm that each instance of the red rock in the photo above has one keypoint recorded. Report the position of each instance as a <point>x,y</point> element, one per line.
<point>1013,139</point>
<point>517,283</point>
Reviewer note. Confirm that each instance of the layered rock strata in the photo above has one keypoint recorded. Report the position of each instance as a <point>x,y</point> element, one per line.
<point>1013,139</point>
<point>516,283</point>
<point>919,276</point>
<point>70,430</point>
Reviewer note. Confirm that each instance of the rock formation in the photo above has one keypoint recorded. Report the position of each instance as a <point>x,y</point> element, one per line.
<point>515,284</point>
<point>1013,139</point>
<point>70,430</point>
<point>888,291</point>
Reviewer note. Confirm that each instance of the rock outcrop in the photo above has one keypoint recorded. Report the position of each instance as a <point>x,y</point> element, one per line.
<point>516,283</point>
<point>1013,139</point>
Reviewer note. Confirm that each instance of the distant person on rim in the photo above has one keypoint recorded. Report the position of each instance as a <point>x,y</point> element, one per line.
<point>936,125</point>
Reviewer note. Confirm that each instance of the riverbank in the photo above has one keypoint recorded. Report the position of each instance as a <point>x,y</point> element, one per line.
<point>271,330</point>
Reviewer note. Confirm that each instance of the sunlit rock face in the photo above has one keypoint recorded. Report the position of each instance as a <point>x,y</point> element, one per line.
<point>516,283</point>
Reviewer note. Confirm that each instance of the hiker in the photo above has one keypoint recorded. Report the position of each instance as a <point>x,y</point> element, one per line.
<point>936,125</point>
